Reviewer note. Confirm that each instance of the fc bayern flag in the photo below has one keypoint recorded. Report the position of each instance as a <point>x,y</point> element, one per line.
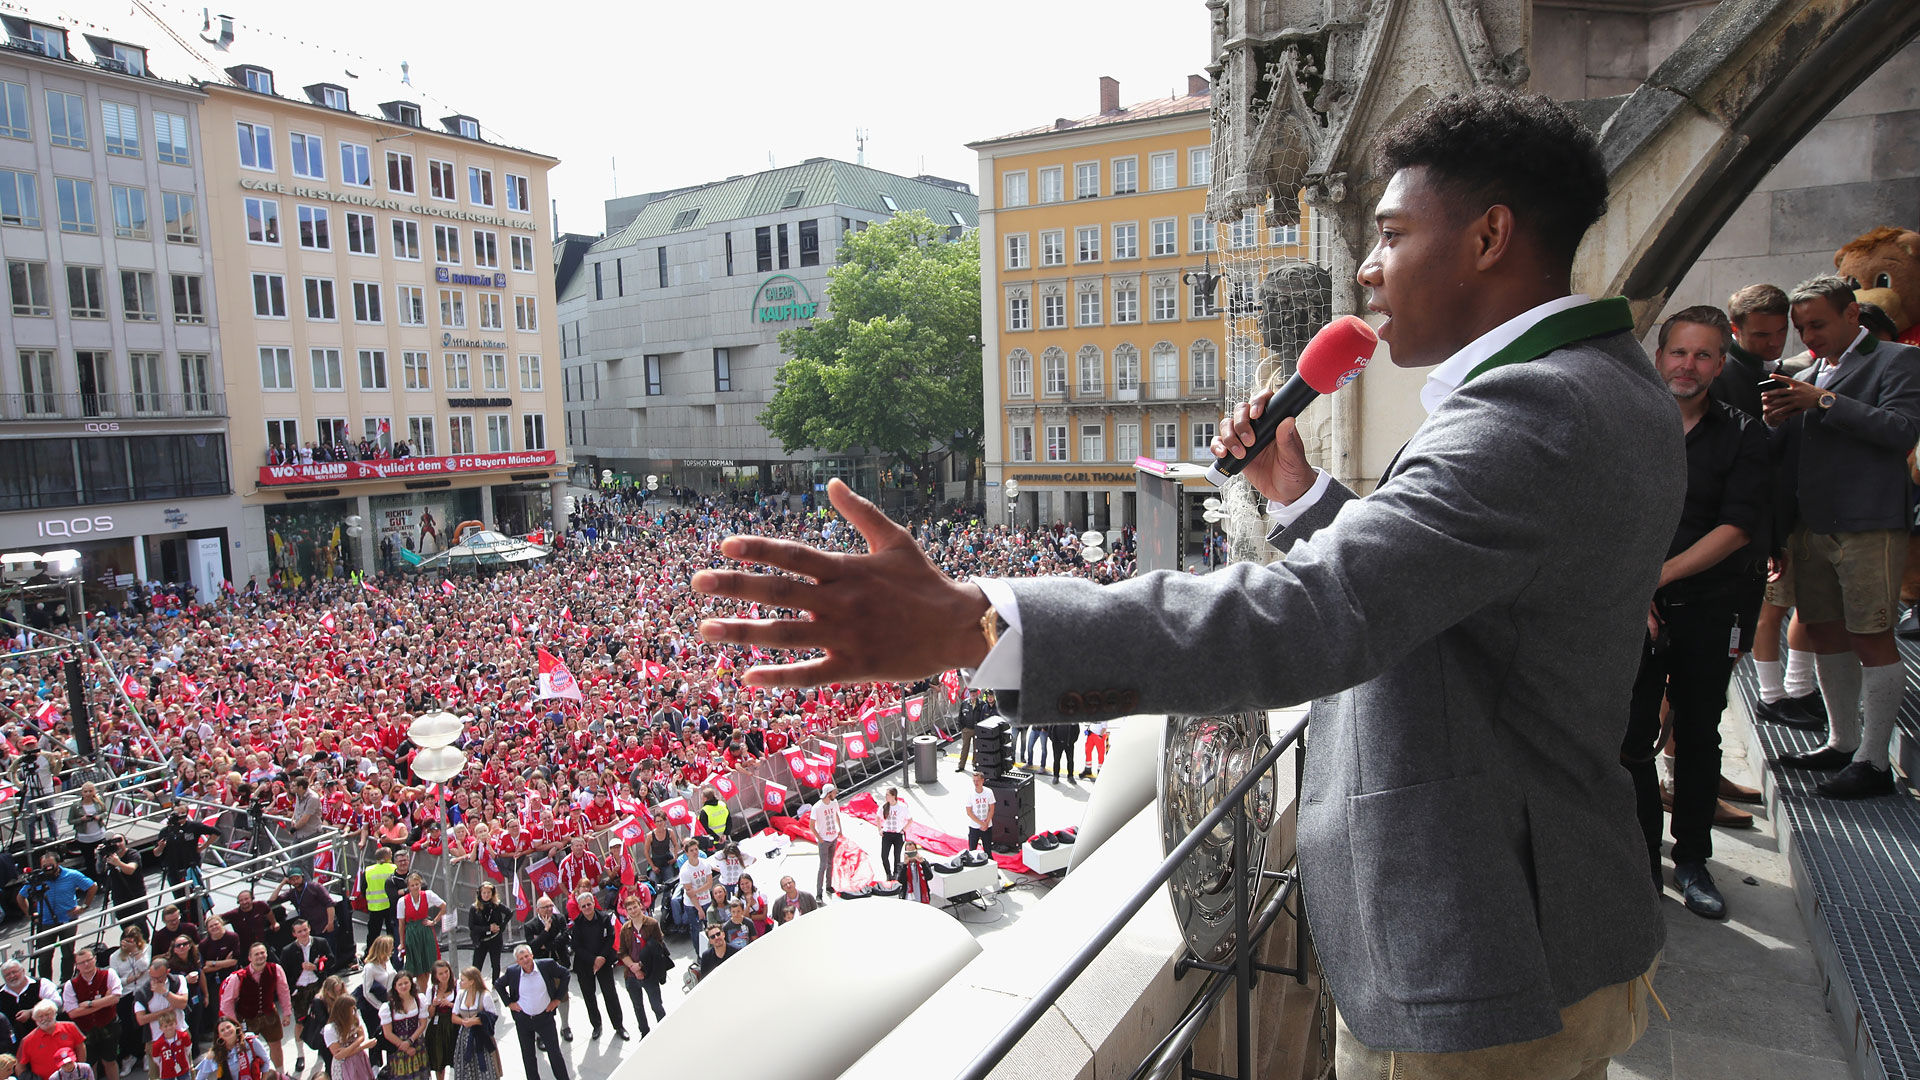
<point>951,680</point>
<point>870,722</point>
<point>555,680</point>
<point>676,811</point>
<point>446,586</point>
<point>546,877</point>
<point>724,784</point>
<point>328,622</point>
<point>829,754</point>
<point>629,829</point>
<point>915,706</point>
<point>796,760</point>
<point>817,775</point>
<point>133,687</point>
<point>513,625</point>
<point>522,906</point>
<point>856,746</point>
<point>46,714</point>
<point>775,798</point>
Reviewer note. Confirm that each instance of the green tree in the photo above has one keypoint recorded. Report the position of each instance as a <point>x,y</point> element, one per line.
<point>893,366</point>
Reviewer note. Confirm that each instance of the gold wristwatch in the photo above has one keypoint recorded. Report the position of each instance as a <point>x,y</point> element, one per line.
<point>1826,399</point>
<point>990,626</point>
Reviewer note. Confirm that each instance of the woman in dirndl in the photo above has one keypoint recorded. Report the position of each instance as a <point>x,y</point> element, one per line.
<point>475,1012</point>
<point>403,1021</point>
<point>420,911</point>
<point>439,992</point>
<point>347,1041</point>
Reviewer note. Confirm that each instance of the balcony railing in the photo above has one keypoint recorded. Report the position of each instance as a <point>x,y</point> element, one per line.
<point>85,406</point>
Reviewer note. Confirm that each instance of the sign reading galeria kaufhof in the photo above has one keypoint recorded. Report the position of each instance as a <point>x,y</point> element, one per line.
<point>402,468</point>
<point>782,298</point>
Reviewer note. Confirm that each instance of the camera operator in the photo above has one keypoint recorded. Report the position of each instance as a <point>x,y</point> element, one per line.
<point>54,896</point>
<point>32,773</point>
<point>126,878</point>
<point>178,849</point>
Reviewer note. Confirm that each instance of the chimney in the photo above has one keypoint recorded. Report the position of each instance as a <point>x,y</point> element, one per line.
<point>1109,95</point>
<point>1197,85</point>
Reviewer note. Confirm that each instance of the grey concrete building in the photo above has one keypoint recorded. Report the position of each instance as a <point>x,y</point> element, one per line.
<point>112,396</point>
<point>670,323</point>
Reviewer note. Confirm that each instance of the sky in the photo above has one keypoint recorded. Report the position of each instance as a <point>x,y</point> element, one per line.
<point>672,94</point>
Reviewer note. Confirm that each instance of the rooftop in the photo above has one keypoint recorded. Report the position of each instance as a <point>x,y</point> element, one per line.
<point>1197,99</point>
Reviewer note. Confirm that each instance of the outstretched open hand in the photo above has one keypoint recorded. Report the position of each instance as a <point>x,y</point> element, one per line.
<point>890,614</point>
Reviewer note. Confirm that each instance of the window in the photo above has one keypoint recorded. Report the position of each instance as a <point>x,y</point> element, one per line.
<point>1053,311</point>
<point>13,111</point>
<point>414,371</point>
<point>361,238</point>
<point>19,199</point>
<point>1243,365</point>
<point>315,233</point>
<point>86,296</point>
<point>378,430</point>
<point>1166,370</point>
<point>652,363</point>
<point>1093,442</point>
<point>27,281</point>
<point>459,376</point>
<point>763,248</point>
<point>269,296</point>
<point>76,205</point>
<point>526,314</point>
<point>599,286</point>
<point>446,244</point>
<point>1090,305</point>
<point>1241,231</point>
<point>1053,247</point>
<point>181,217</point>
<point>259,80</point>
<point>1126,368</point>
<point>809,243</point>
<point>356,166</point>
<point>326,369</point>
<point>1126,241</point>
<point>373,369</point>
<point>1053,372</point>
<point>1166,302</point>
<point>460,435</point>
<point>728,238</point>
<point>137,298</point>
<point>530,377</point>
<point>453,309</point>
<point>486,249</point>
<point>469,128</point>
<point>263,221</point>
<point>1086,180</point>
<point>188,306</point>
<point>171,139</point>
<point>319,293</point>
<point>309,156</point>
<point>1052,185</point>
<point>366,302</point>
<point>722,369</point>
<point>780,240</point>
<point>1126,175</point>
<point>534,427</point>
<point>1284,235</point>
<point>1163,237</point>
<point>1126,442</point>
<point>333,430</point>
<point>517,194</point>
<point>276,367</point>
<point>1020,444</point>
<point>1126,302</point>
<point>1202,436</point>
<point>1013,187</point>
<point>1020,374</point>
<point>256,146</point>
<point>1056,442</point>
<point>1019,312</point>
<point>67,119</point>
<point>1202,305</point>
<point>499,433</point>
<point>521,249</point>
<point>490,317</point>
<point>333,98</point>
<point>1092,370</point>
<point>283,433</point>
<point>440,180</point>
<point>1160,172</point>
<point>660,265</point>
<point>399,172</point>
<point>887,201</point>
<point>1200,166</point>
<point>406,240</point>
<point>120,129</point>
<point>413,305</point>
<point>479,186</point>
<point>1166,442</point>
<point>36,379</point>
<point>1201,233</point>
<point>420,435</point>
<point>1086,244</point>
<point>1204,363</point>
<point>1018,255</point>
<point>144,367</point>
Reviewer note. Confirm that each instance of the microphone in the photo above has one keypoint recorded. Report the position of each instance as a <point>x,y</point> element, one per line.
<point>1335,357</point>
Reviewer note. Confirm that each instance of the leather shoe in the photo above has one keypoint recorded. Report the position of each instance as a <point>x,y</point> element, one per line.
<point>1858,781</point>
<point>1909,626</point>
<point>1697,890</point>
<point>1733,792</point>
<point>1724,815</point>
<point>1793,712</point>
<point>1824,758</point>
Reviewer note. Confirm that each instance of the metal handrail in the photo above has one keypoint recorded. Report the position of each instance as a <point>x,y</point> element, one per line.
<point>124,405</point>
<point>1016,1029</point>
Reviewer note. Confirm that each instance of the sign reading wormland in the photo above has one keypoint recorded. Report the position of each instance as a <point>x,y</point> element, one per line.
<point>321,472</point>
<point>783,298</point>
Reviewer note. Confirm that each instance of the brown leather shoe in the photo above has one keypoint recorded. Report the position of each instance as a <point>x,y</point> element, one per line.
<point>1725,815</point>
<point>1733,792</point>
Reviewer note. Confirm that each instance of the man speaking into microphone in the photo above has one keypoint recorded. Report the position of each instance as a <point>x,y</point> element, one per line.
<point>1472,868</point>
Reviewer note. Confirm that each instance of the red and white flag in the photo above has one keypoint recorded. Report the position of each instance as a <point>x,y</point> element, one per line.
<point>189,687</point>
<point>915,706</point>
<point>566,613</point>
<point>676,812</point>
<point>952,681</point>
<point>870,723</point>
<point>724,785</point>
<point>775,798</point>
<point>446,586</point>
<point>369,587</point>
<point>545,875</point>
<point>796,760</point>
<point>629,830</point>
<point>7,792</point>
<point>829,755</point>
<point>655,672</point>
<point>513,625</point>
<point>522,907</point>
<point>328,622</point>
<point>133,687</point>
<point>594,574</point>
<point>856,746</point>
<point>555,680</point>
<point>323,857</point>
<point>46,714</point>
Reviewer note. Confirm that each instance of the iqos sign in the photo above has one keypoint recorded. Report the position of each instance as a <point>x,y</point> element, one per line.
<point>80,526</point>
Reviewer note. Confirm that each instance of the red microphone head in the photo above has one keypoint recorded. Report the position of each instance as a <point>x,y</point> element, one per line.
<point>1338,354</point>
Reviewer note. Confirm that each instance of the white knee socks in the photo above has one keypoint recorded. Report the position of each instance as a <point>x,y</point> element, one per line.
<point>1880,691</point>
<point>1840,689</point>
<point>1799,676</point>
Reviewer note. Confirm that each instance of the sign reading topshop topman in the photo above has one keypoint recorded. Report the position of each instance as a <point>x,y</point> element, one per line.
<point>779,300</point>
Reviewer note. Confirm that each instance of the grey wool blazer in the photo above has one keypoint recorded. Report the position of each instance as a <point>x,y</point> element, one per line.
<point>1469,634</point>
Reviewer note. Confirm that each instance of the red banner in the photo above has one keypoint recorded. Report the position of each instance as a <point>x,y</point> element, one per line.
<point>545,876</point>
<point>401,468</point>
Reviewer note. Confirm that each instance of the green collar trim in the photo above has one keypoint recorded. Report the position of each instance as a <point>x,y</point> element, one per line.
<point>1610,316</point>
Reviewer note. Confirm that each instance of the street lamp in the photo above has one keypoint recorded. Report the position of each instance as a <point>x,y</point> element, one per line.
<point>439,761</point>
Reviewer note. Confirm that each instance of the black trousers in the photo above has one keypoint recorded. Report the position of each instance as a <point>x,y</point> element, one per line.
<point>592,985</point>
<point>1691,672</point>
<point>891,844</point>
<point>978,838</point>
<point>379,922</point>
<point>537,1029</point>
<point>643,993</point>
<point>489,950</point>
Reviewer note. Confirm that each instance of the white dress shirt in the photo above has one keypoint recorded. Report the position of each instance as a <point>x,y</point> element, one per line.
<point>533,990</point>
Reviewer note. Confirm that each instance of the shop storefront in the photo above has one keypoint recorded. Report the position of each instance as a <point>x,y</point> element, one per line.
<point>188,541</point>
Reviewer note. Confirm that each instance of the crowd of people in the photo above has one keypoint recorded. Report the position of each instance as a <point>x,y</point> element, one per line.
<point>311,452</point>
<point>293,707</point>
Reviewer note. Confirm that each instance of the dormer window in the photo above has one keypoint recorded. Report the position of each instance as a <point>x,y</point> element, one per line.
<point>259,80</point>
<point>52,41</point>
<point>333,97</point>
<point>793,198</point>
<point>890,204</point>
<point>401,112</point>
<point>131,59</point>
<point>112,55</point>
<point>469,129</point>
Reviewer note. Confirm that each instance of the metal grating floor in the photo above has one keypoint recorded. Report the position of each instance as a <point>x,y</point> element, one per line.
<point>1862,860</point>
